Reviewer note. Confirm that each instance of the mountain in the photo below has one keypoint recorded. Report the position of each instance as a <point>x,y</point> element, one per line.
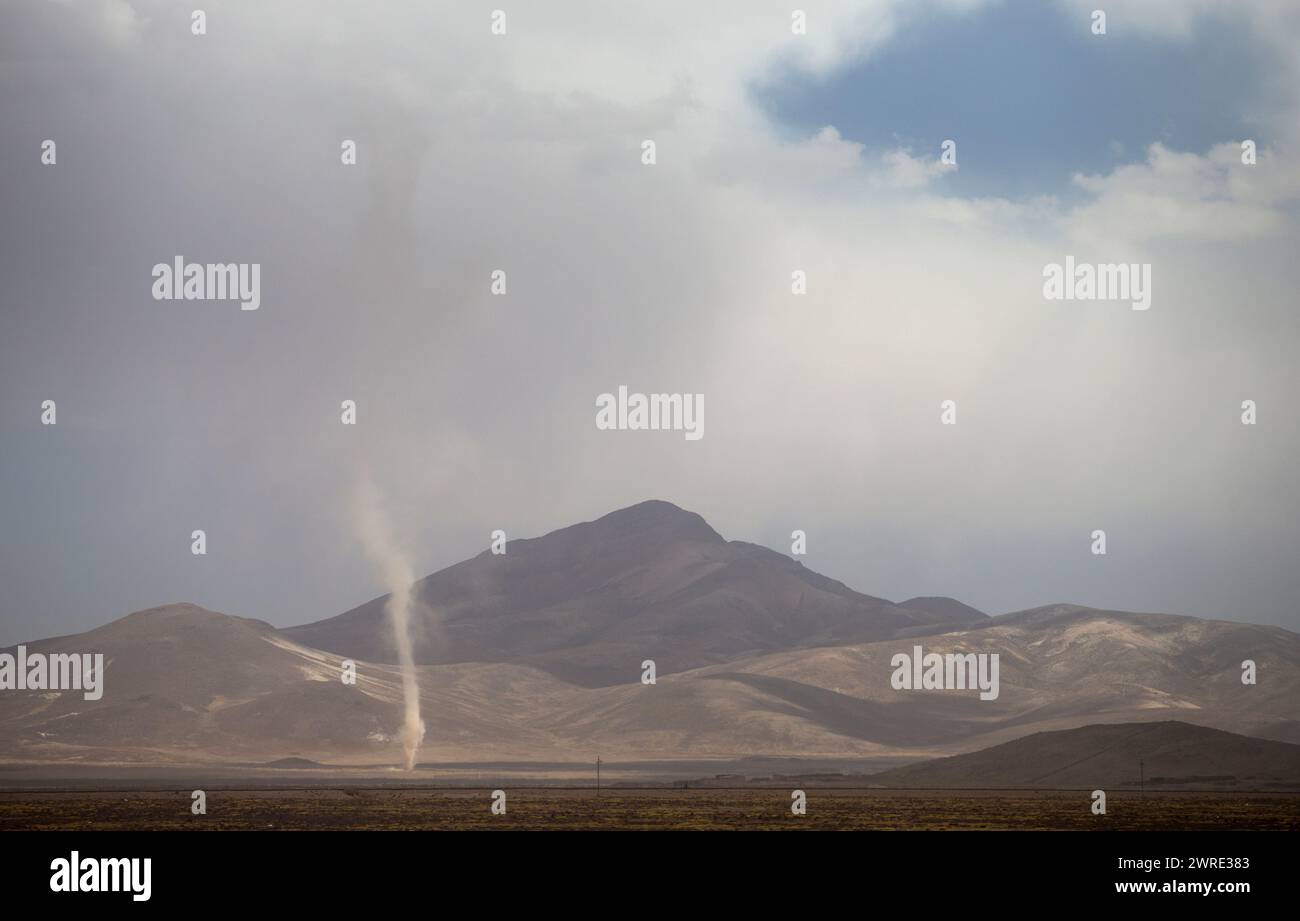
<point>590,602</point>
<point>949,610</point>
<point>184,684</point>
<point>182,680</point>
<point>1163,755</point>
<point>536,657</point>
<point>1060,667</point>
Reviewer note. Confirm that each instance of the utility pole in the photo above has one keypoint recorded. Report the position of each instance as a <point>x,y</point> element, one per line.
<point>1142,777</point>
<point>598,775</point>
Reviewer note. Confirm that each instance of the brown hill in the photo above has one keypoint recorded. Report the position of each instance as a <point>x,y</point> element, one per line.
<point>180,681</point>
<point>1060,668</point>
<point>756,655</point>
<point>189,685</point>
<point>1163,755</point>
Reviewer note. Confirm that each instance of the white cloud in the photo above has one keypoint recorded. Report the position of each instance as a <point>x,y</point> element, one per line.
<point>1178,18</point>
<point>902,170</point>
<point>1210,197</point>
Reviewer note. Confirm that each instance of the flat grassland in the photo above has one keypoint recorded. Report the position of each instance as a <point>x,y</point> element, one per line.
<point>542,808</point>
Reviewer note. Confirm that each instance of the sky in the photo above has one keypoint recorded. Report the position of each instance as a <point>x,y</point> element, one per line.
<point>1034,99</point>
<point>775,152</point>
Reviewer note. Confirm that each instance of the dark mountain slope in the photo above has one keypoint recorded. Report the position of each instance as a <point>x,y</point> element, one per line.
<point>590,602</point>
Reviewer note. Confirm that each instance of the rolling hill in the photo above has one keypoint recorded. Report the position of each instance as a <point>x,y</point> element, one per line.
<point>1163,755</point>
<point>536,656</point>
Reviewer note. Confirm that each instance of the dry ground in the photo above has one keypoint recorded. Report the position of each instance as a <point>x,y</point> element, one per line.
<point>552,808</point>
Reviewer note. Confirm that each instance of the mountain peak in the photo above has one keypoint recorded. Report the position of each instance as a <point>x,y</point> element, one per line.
<point>186,615</point>
<point>655,517</point>
<point>584,601</point>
